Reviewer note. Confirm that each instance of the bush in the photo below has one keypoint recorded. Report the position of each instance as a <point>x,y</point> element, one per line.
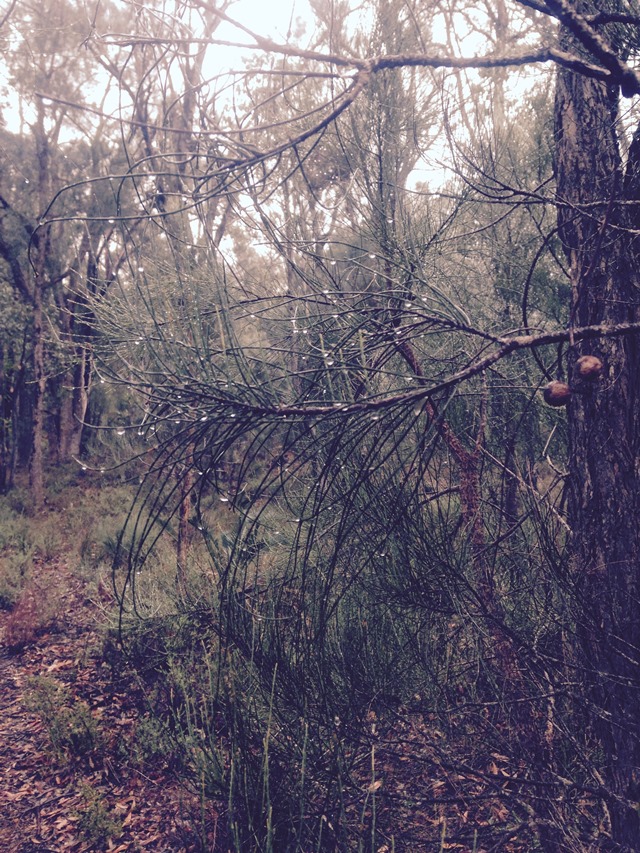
<point>96,822</point>
<point>71,728</point>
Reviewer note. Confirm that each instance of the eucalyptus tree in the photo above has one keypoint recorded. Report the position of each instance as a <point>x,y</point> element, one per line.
<point>368,564</point>
<point>58,237</point>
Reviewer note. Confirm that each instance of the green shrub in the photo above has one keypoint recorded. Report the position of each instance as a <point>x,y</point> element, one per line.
<point>71,728</point>
<point>96,823</point>
<point>12,573</point>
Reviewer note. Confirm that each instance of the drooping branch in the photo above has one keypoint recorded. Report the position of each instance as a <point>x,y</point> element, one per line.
<point>507,347</point>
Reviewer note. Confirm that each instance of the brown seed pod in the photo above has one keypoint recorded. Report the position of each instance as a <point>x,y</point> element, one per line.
<point>557,393</point>
<point>589,367</point>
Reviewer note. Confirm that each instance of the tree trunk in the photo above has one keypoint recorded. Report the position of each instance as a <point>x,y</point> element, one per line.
<point>184,532</point>
<point>604,431</point>
<point>36,464</point>
<point>73,406</point>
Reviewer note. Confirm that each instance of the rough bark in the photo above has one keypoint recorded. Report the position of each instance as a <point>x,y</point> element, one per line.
<point>604,432</point>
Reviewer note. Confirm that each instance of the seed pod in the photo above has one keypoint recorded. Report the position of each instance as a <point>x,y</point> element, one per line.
<point>589,367</point>
<point>557,393</point>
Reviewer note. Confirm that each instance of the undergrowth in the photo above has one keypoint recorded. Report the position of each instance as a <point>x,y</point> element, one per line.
<point>71,728</point>
<point>335,710</point>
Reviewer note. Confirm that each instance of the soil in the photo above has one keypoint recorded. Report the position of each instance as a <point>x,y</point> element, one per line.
<point>95,793</point>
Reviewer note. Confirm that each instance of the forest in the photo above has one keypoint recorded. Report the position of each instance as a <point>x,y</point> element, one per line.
<point>320,426</point>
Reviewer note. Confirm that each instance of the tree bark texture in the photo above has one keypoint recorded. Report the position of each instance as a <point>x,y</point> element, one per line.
<point>593,184</point>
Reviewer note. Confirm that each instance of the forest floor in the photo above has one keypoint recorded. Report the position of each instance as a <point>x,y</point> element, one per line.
<point>72,777</point>
<point>84,766</point>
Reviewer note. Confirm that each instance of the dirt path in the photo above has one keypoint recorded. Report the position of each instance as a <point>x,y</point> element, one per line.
<point>92,792</point>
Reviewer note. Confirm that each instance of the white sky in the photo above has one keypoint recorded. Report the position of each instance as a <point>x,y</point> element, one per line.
<point>271,19</point>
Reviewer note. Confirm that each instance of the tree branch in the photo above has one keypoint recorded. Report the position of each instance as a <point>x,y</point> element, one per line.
<point>507,346</point>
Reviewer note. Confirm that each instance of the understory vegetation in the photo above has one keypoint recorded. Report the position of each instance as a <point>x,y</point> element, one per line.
<point>324,718</point>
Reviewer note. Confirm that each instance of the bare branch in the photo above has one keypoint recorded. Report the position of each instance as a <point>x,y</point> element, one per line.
<point>596,45</point>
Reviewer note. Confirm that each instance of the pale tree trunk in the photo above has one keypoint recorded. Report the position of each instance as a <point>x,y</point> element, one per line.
<point>77,329</point>
<point>73,407</point>
<point>36,465</point>
<point>604,433</point>
<point>185,529</point>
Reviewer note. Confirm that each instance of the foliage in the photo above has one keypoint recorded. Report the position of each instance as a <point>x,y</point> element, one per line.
<point>69,724</point>
<point>97,823</point>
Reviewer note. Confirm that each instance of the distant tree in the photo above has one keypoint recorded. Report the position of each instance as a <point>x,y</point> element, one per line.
<point>54,141</point>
